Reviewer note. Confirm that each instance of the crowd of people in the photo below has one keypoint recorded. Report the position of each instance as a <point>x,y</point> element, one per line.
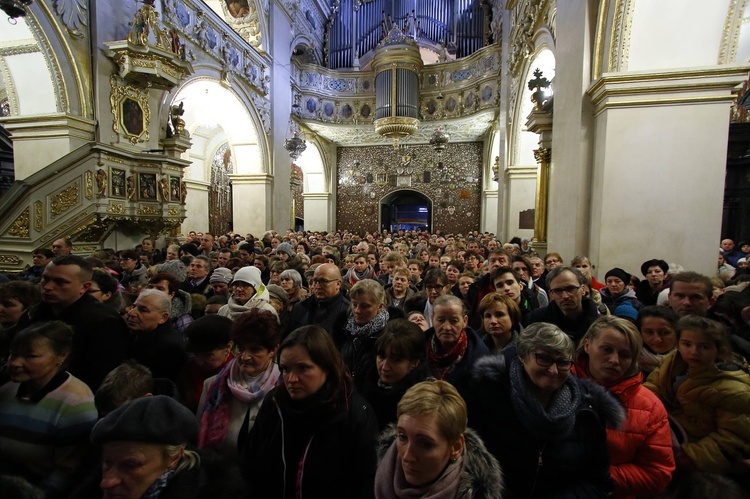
<point>383,365</point>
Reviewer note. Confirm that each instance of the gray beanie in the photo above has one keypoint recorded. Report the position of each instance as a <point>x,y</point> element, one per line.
<point>276,291</point>
<point>174,267</point>
<point>285,248</point>
<point>221,274</point>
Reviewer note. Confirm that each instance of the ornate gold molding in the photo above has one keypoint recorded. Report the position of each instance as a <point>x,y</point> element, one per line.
<point>117,208</point>
<point>88,182</point>
<point>147,209</point>
<point>616,30</point>
<point>543,155</point>
<point>174,211</point>
<point>20,226</point>
<point>9,260</point>
<point>64,200</point>
<point>38,216</point>
<point>730,36</point>
<point>138,113</point>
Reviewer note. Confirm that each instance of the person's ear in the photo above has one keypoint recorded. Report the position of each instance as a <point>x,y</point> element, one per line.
<point>458,448</point>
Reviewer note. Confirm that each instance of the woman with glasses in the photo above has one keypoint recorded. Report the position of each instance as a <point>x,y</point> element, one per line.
<point>104,288</point>
<point>231,400</point>
<point>248,292</point>
<point>314,435</point>
<point>435,282</point>
<point>546,428</point>
<point>641,459</point>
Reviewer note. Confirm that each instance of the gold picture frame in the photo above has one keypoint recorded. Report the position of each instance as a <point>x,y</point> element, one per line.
<point>131,112</point>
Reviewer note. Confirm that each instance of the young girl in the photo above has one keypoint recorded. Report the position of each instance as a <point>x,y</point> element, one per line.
<point>706,389</point>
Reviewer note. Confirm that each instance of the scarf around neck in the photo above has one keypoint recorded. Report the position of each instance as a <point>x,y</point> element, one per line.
<point>554,422</point>
<point>375,325</point>
<point>231,383</point>
<point>390,480</point>
<point>442,364</point>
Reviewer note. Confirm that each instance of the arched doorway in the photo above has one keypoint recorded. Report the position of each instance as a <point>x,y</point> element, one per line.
<point>406,209</point>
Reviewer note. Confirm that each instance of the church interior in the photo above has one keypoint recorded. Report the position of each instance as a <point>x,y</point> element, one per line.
<point>610,128</point>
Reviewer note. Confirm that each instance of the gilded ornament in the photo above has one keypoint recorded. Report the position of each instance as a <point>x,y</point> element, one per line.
<point>64,200</point>
<point>20,226</point>
<point>88,182</point>
<point>130,108</point>
<point>174,211</point>
<point>74,15</point>
<point>148,209</point>
<point>38,216</point>
<point>116,208</point>
<point>9,259</point>
<point>543,155</point>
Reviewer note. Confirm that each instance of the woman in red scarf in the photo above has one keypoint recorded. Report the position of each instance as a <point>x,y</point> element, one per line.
<point>640,453</point>
<point>232,398</point>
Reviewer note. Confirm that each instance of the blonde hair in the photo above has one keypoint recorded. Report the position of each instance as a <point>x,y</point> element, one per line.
<point>635,340</point>
<point>439,399</point>
<point>188,459</point>
<point>368,287</point>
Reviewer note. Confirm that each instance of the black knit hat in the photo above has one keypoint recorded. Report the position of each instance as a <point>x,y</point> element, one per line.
<point>664,266</point>
<point>619,273</point>
<point>208,333</point>
<point>159,420</point>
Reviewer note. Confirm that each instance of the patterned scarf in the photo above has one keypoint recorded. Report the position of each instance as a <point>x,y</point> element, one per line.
<point>442,365</point>
<point>355,276</point>
<point>554,422</point>
<point>229,383</point>
<point>375,325</point>
<point>156,488</point>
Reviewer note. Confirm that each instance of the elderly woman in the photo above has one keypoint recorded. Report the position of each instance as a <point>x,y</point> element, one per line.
<point>546,428</point>
<point>46,412</point>
<point>231,399</point>
<point>315,435</point>
<point>147,452</point>
<point>452,346</point>
<point>291,281</point>
<point>640,453</point>
<point>398,291</point>
<point>399,364</point>
<point>501,321</point>
<point>248,292</point>
<point>366,321</point>
<point>431,453</point>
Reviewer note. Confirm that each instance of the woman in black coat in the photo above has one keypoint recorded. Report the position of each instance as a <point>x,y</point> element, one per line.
<point>546,428</point>
<point>314,436</point>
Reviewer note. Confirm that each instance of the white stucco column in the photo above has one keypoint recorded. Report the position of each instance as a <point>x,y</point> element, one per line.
<point>318,211</point>
<point>659,166</point>
<point>489,211</point>
<point>196,214</point>
<point>252,197</point>
<point>521,188</point>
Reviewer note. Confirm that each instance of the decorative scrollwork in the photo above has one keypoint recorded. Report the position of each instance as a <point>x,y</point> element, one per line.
<point>88,182</point>
<point>543,155</point>
<point>148,209</point>
<point>74,15</point>
<point>38,216</point>
<point>9,260</point>
<point>117,208</point>
<point>20,226</point>
<point>64,200</point>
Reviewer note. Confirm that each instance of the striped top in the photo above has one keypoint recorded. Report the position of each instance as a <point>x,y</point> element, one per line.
<point>43,438</point>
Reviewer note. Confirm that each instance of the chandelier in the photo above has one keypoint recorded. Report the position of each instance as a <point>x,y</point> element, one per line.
<point>439,139</point>
<point>15,8</point>
<point>295,146</point>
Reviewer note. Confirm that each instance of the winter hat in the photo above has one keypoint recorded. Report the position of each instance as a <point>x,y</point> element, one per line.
<point>285,248</point>
<point>251,275</point>
<point>276,291</point>
<point>664,266</point>
<point>174,267</point>
<point>159,419</point>
<point>208,333</point>
<point>221,274</point>
<point>620,274</point>
<point>627,311</point>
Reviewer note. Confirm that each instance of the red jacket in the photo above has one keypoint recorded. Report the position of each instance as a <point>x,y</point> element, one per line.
<point>640,453</point>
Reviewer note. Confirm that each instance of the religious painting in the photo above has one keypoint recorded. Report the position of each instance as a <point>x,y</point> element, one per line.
<point>131,112</point>
<point>381,179</point>
<point>237,8</point>
<point>117,188</point>
<point>132,117</point>
<point>174,189</point>
<point>147,186</point>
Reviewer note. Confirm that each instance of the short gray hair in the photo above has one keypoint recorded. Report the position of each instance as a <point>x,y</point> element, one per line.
<point>547,337</point>
<point>449,300</point>
<point>162,301</point>
<point>293,275</point>
<point>555,273</point>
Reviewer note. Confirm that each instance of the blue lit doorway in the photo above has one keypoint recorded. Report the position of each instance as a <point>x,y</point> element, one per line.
<point>405,209</point>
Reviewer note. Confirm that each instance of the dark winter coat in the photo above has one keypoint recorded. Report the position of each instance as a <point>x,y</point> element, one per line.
<point>574,466</point>
<point>460,375</point>
<point>575,328</point>
<point>308,445</point>
<point>100,340</point>
<point>328,314</point>
<point>161,350</point>
<point>478,290</point>
<point>384,400</point>
<point>481,477</point>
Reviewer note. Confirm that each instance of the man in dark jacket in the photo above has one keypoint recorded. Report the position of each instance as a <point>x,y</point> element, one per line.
<point>100,342</point>
<point>484,286</point>
<point>154,343</point>
<point>326,307</point>
<point>568,309</point>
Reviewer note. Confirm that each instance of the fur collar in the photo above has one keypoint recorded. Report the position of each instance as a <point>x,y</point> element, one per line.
<point>482,477</point>
<point>493,368</point>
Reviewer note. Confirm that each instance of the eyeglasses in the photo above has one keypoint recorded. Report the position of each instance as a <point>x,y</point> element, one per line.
<point>544,360</point>
<point>240,284</point>
<point>566,289</point>
<point>436,287</point>
<point>552,260</point>
<point>321,282</point>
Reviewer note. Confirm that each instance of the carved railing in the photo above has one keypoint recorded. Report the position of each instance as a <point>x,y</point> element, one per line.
<point>89,193</point>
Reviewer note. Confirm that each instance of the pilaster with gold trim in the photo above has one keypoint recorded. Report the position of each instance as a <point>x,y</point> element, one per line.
<point>540,122</point>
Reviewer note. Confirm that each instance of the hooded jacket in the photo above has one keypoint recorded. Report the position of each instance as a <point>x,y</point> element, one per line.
<point>640,453</point>
<point>179,311</point>
<point>713,406</point>
<point>572,466</point>
<point>612,302</point>
<point>481,477</point>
